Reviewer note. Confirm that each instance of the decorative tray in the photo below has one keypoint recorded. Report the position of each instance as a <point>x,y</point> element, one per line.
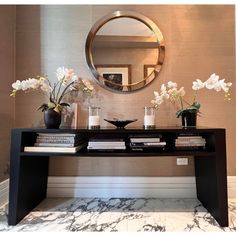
<point>120,124</point>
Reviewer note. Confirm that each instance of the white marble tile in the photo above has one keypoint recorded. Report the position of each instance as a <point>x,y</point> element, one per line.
<point>119,215</point>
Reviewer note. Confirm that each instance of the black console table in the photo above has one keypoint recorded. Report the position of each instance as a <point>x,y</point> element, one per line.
<point>29,170</point>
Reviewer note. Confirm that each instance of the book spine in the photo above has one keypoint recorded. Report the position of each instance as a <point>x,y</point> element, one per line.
<point>186,138</point>
<point>142,140</point>
<point>190,145</point>
<point>54,145</point>
<point>56,138</point>
<point>148,144</point>
<point>183,142</point>
<point>146,136</point>
<point>189,135</point>
<point>106,143</point>
<point>104,148</point>
<point>56,142</point>
<point>147,148</point>
<point>56,135</point>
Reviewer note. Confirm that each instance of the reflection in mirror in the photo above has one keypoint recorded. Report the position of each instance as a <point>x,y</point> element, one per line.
<point>125,51</point>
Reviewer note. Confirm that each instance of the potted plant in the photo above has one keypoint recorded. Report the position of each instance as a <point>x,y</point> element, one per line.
<point>68,83</point>
<point>188,111</point>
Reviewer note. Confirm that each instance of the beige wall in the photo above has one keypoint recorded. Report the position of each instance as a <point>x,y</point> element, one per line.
<point>7,67</point>
<point>28,63</point>
<point>199,40</point>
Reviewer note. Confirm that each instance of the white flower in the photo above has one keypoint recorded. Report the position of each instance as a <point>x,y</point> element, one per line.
<point>164,93</point>
<point>159,100</point>
<point>198,84</point>
<point>74,78</point>
<point>153,102</point>
<point>17,85</point>
<point>69,79</point>
<point>160,97</point>
<point>65,74</point>
<point>45,87</point>
<point>214,83</point>
<point>221,85</point>
<point>163,88</point>
<point>171,85</point>
<point>175,95</point>
<point>33,83</point>
<point>87,84</point>
<point>156,94</point>
<point>210,83</point>
<point>25,85</point>
<point>60,72</point>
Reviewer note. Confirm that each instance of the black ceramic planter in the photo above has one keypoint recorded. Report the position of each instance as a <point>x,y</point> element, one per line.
<point>52,119</point>
<point>189,118</point>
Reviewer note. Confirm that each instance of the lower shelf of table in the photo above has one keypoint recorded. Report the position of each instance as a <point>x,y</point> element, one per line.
<point>122,153</point>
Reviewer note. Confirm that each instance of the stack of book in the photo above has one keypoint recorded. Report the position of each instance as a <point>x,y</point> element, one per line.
<point>146,143</point>
<point>106,144</point>
<point>190,142</point>
<point>57,142</point>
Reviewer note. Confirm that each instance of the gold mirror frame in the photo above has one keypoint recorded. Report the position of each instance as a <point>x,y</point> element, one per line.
<point>150,24</point>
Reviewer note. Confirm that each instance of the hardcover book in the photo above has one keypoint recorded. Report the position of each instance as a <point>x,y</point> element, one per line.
<point>53,149</point>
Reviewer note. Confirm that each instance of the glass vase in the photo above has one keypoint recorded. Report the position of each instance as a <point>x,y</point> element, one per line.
<point>149,117</point>
<point>94,118</point>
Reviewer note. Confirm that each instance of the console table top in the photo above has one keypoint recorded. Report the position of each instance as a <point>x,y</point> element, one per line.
<point>123,130</point>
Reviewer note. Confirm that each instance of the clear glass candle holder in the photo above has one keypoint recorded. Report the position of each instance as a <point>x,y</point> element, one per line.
<point>149,117</point>
<point>94,118</point>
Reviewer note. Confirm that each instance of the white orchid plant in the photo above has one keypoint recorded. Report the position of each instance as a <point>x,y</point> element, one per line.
<point>67,83</point>
<point>175,95</point>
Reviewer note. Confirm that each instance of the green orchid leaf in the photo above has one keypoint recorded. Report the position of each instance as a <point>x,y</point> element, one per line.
<point>191,109</point>
<point>64,104</point>
<point>50,98</point>
<point>197,105</point>
<point>43,107</point>
<point>179,113</point>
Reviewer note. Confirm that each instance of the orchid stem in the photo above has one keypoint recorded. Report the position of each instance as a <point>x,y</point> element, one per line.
<point>63,93</point>
<point>181,103</point>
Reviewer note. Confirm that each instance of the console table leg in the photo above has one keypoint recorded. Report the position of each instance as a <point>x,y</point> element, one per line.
<point>28,185</point>
<point>211,186</point>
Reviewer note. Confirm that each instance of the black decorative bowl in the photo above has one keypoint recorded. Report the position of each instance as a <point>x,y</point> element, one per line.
<point>120,124</point>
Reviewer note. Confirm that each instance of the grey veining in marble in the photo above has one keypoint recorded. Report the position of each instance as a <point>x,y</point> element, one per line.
<point>120,214</point>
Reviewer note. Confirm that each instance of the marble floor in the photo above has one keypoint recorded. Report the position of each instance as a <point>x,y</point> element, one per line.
<point>120,215</point>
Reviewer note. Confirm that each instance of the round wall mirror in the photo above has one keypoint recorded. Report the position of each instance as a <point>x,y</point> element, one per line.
<point>125,51</point>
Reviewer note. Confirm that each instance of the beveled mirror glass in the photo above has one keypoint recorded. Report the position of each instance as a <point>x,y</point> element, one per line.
<point>125,51</point>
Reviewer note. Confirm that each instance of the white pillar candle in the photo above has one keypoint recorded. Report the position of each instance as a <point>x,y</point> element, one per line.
<point>94,121</point>
<point>149,120</point>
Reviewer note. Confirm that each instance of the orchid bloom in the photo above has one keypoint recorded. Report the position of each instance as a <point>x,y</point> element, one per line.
<point>176,95</point>
<point>67,82</point>
<point>198,84</point>
<point>159,98</point>
<point>213,79</point>
<point>171,85</point>
<point>17,85</point>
